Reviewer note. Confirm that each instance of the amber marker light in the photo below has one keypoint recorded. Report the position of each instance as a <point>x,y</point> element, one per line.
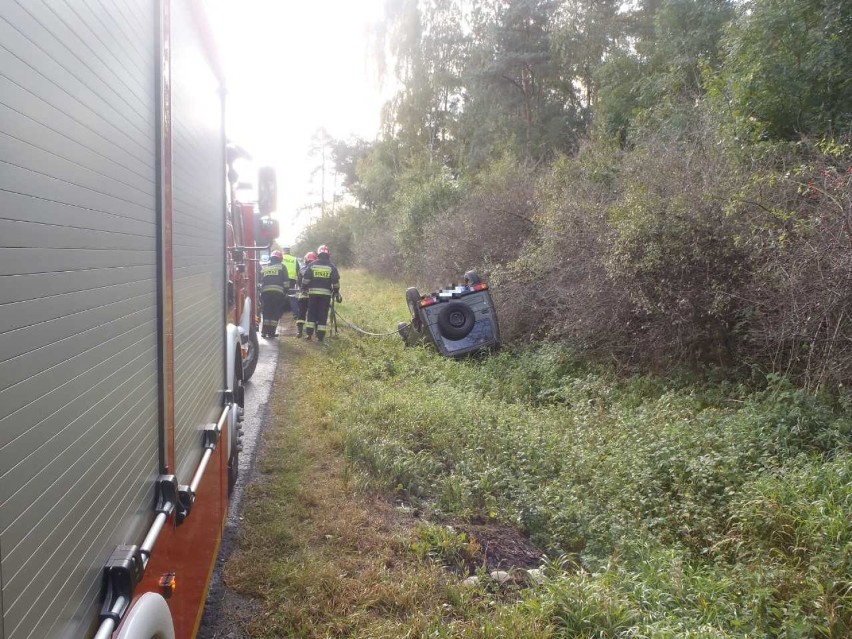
<point>168,584</point>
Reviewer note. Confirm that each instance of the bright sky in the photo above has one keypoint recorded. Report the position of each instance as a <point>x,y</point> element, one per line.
<point>292,67</point>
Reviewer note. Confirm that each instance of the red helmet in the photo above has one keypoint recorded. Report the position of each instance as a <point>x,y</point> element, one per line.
<point>323,249</point>
<point>310,256</point>
<point>277,254</point>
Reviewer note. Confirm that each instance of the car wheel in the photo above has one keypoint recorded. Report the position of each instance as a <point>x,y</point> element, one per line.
<point>412,297</point>
<point>456,320</point>
<point>472,278</point>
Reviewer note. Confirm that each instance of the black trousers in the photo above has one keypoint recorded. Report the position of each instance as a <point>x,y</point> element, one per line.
<point>318,315</point>
<point>293,300</point>
<point>301,318</point>
<point>273,306</point>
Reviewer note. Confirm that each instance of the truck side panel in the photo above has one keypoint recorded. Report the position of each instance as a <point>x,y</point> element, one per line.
<point>78,299</point>
<point>198,240</point>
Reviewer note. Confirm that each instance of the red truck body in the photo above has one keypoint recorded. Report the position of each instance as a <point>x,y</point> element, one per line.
<point>124,283</point>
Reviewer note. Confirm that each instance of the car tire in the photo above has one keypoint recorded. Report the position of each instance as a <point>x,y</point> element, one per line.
<point>412,297</point>
<point>456,320</point>
<point>472,278</point>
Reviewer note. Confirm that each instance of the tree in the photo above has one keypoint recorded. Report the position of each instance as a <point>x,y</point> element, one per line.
<point>788,70</point>
<point>661,67</point>
<point>430,48</point>
<point>587,32</point>
<point>321,152</point>
<point>515,87</point>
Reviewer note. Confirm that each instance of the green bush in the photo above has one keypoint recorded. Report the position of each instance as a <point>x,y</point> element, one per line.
<point>335,231</point>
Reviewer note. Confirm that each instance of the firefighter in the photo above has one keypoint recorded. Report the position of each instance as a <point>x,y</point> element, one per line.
<point>321,282</point>
<point>273,295</point>
<point>292,265</point>
<point>303,295</point>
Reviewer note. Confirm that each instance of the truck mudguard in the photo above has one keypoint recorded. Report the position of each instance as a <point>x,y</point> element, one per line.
<point>149,618</point>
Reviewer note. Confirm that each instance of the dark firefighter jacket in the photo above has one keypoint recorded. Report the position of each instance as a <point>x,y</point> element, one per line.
<point>274,278</point>
<point>321,277</point>
<point>302,293</point>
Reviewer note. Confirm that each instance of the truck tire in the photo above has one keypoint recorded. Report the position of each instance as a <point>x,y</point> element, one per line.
<point>234,457</point>
<point>250,361</point>
<point>233,467</point>
<point>148,618</point>
<point>456,320</point>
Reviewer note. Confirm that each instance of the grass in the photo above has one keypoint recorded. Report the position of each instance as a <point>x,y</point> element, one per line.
<point>669,507</point>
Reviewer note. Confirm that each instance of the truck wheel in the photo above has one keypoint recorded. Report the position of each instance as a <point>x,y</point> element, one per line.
<point>250,360</point>
<point>234,457</point>
<point>456,320</point>
<point>234,461</point>
<point>233,467</point>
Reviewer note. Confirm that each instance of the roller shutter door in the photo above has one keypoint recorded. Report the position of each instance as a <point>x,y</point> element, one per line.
<point>78,340</point>
<point>198,239</point>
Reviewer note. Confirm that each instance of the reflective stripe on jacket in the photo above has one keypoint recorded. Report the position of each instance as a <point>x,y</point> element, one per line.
<point>274,278</point>
<point>320,277</point>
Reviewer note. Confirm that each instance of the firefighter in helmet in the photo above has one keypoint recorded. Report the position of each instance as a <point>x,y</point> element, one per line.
<point>321,281</point>
<point>310,257</point>
<point>291,264</point>
<point>273,293</point>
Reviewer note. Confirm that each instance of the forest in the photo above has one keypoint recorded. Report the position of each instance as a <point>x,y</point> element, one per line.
<point>661,184</point>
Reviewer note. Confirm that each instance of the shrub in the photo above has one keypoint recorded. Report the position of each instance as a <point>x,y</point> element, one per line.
<point>423,195</point>
<point>559,286</point>
<point>486,228</point>
<point>797,313</point>
<point>333,230</point>
<point>674,249</point>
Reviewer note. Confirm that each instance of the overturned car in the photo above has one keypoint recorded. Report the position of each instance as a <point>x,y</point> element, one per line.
<point>459,320</point>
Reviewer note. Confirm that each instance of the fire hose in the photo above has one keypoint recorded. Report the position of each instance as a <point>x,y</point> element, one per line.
<point>336,314</point>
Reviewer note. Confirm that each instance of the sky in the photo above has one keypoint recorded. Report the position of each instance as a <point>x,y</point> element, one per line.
<point>292,67</point>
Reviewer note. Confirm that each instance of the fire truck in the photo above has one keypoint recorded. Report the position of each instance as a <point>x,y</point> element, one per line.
<point>248,223</point>
<point>123,318</point>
